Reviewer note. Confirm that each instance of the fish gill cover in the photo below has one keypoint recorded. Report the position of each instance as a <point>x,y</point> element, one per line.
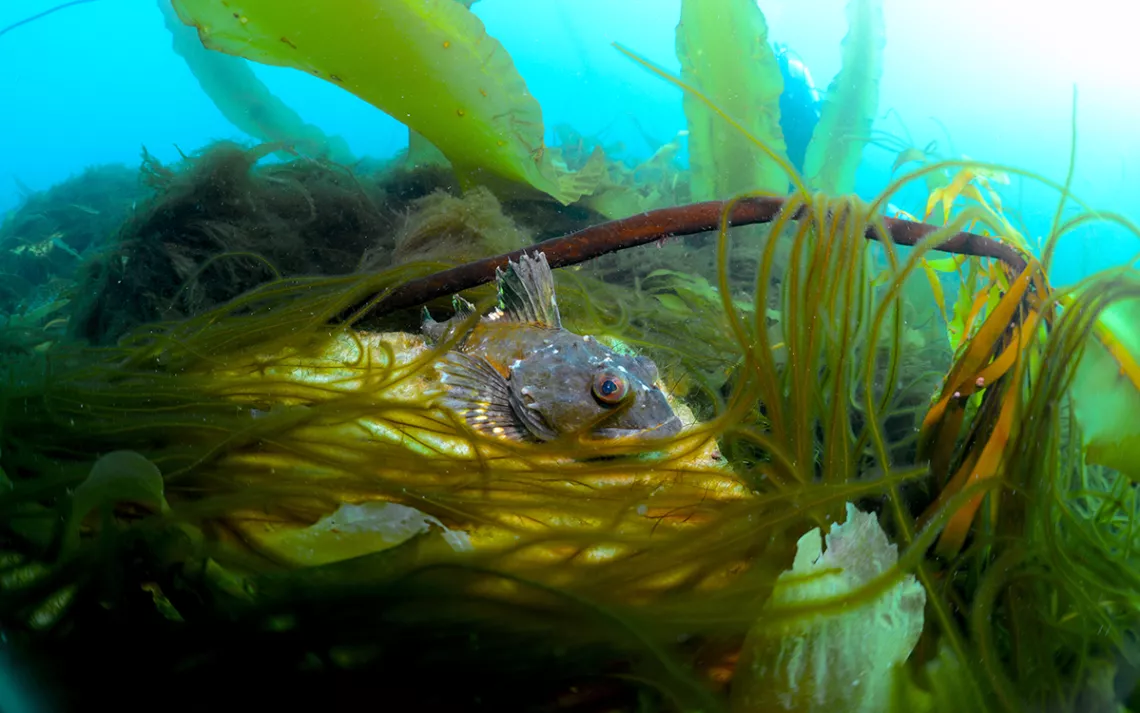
<point>229,460</point>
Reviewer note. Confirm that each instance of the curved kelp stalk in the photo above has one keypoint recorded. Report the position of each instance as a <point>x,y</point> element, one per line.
<point>245,100</point>
<point>430,65</point>
<point>657,225</point>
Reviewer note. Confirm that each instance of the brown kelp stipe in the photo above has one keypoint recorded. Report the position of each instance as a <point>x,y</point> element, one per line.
<point>652,226</point>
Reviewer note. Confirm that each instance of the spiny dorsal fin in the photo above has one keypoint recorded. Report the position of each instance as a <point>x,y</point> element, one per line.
<point>434,332</point>
<point>526,292</point>
<point>463,308</point>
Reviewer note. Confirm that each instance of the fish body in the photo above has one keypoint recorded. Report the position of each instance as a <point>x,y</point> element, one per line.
<point>518,374</point>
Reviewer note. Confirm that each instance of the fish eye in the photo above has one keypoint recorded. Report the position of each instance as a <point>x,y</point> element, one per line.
<point>610,389</point>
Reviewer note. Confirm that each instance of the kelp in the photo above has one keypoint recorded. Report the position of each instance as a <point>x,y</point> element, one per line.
<point>724,53</point>
<point>1106,386</point>
<point>430,65</point>
<point>842,662</point>
<point>850,103</point>
<point>245,100</point>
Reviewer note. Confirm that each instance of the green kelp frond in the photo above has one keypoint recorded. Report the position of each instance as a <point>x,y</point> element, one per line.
<point>245,100</point>
<point>850,105</point>
<point>656,182</point>
<point>724,53</point>
<point>428,63</point>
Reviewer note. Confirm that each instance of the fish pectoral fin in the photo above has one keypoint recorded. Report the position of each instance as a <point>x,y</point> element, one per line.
<point>474,390</point>
<point>526,292</point>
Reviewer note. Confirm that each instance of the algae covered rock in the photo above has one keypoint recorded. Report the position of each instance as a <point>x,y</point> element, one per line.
<point>836,661</point>
<point>218,225</point>
<point>456,230</point>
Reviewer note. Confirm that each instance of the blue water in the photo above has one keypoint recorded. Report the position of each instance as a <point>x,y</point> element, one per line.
<point>96,82</point>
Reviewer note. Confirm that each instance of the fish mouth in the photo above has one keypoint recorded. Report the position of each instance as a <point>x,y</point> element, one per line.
<point>669,428</point>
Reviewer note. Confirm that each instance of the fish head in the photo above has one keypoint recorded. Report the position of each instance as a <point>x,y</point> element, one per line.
<point>576,384</point>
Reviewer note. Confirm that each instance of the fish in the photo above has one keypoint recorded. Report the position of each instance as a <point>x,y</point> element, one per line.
<point>518,374</point>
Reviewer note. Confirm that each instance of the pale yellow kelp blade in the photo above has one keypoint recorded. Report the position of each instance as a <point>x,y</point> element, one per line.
<point>724,53</point>
<point>836,147</point>
<point>428,63</point>
<point>373,437</point>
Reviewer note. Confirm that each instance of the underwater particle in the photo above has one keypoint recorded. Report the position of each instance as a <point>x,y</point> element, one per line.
<point>832,661</point>
<point>460,113</point>
<point>980,381</point>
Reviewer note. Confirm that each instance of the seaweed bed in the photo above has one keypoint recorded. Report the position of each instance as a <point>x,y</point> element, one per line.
<point>183,394</point>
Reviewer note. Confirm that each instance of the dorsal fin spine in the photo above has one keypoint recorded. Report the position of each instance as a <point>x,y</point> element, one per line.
<point>526,292</point>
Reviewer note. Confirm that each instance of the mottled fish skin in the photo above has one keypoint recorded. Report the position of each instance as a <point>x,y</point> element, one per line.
<point>518,374</point>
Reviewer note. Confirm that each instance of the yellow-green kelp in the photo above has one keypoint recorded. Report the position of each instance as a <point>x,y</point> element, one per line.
<point>724,53</point>
<point>850,104</point>
<point>428,63</point>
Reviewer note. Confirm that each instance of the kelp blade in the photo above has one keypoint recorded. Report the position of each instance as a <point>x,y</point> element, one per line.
<point>245,100</point>
<point>724,53</point>
<point>428,63</point>
<point>1106,386</point>
<point>836,147</point>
